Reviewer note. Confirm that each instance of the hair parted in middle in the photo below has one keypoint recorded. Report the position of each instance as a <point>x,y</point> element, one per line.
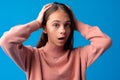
<point>44,37</point>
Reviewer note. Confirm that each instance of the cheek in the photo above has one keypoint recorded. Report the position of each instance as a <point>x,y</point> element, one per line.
<point>51,32</point>
<point>68,32</point>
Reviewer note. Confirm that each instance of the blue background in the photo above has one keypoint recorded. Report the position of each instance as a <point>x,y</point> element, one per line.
<point>103,13</point>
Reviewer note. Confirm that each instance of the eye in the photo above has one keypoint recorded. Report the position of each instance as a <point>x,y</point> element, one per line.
<point>67,25</point>
<point>56,25</point>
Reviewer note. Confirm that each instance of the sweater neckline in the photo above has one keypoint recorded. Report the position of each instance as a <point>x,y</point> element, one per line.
<point>55,61</point>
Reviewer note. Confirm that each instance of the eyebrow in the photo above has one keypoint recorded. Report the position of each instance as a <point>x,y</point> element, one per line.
<point>59,21</point>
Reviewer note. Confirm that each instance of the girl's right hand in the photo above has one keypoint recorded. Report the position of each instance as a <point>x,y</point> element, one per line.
<point>41,14</point>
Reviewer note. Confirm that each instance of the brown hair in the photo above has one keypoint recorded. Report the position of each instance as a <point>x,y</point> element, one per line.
<point>55,6</point>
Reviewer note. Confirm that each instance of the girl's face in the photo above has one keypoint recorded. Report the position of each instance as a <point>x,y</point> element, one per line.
<point>58,28</point>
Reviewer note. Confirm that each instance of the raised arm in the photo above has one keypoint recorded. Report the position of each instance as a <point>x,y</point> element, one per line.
<point>12,41</point>
<point>99,42</point>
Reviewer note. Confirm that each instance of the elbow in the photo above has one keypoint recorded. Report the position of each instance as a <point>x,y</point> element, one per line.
<point>105,43</point>
<point>109,42</point>
<point>4,40</point>
<point>1,42</point>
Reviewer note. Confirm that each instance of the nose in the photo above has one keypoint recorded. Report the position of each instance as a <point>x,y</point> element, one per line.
<point>62,30</point>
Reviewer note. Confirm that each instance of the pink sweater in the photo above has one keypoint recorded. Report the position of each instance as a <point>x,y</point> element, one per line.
<point>37,66</point>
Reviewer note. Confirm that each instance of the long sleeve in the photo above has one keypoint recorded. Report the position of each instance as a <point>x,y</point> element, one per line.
<point>11,43</point>
<point>99,42</point>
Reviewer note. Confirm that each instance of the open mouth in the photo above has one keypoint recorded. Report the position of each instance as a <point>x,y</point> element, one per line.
<point>62,38</point>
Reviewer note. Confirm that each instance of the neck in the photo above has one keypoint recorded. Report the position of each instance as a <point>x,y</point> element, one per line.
<point>53,50</point>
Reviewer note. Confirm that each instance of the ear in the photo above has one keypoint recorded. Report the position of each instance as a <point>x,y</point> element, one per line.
<point>44,30</point>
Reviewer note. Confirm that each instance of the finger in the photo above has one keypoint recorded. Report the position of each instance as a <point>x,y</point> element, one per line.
<point>48,5</point>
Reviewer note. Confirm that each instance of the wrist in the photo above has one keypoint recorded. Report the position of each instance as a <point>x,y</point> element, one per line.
<point>78,25</point>
<point>40,25</point>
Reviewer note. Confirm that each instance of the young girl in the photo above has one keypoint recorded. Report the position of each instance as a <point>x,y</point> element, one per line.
<point>54,58</point>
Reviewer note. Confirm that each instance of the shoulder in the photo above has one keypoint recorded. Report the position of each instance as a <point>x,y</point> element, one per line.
<point>77,50</point>
<point>81,51</point>
<point>37,51</point>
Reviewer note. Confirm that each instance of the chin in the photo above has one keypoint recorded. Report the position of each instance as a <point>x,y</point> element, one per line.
<point>60,45</point>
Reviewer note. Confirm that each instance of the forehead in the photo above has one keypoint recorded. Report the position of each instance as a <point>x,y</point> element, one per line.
<point>59,15</point>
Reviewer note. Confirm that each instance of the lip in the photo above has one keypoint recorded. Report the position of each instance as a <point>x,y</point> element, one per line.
<point>61,39</point>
